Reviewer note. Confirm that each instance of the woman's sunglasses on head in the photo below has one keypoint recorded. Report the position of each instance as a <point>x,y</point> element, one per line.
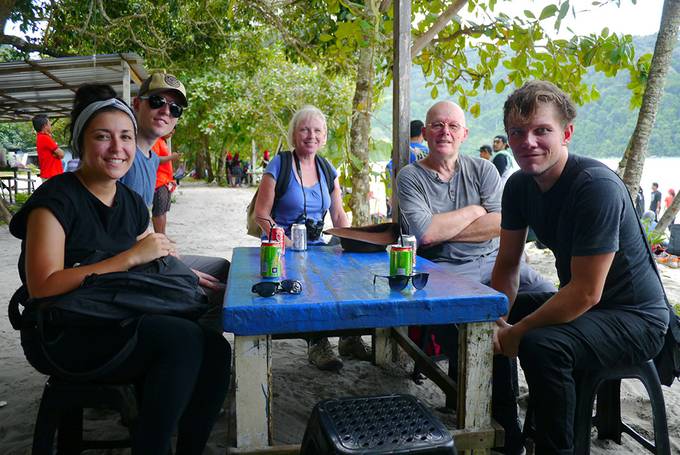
<point>158,101</point>
<point>269,288</point>
<point>399,282</point>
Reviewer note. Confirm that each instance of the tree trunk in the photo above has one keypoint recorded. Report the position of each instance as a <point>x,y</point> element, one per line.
<point>200,161</point>
<point>362,106</point>
<point>658,69</point>
<point>668,216</point>
<point>622,164</point>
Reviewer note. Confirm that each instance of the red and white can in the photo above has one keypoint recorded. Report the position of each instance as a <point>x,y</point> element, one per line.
<point>277,234</point>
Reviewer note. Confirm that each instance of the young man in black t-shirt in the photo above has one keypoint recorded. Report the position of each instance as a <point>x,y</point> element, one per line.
<point>610,309</point>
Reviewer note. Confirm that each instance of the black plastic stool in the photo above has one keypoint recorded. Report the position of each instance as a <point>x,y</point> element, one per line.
<point>396,424</point>
<point>61,411</point>
<point>606,384</point>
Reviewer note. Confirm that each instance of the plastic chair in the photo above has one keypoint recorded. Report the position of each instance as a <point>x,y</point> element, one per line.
<point>606,384</point>
<point>61,411</point>
<point>394,424</point>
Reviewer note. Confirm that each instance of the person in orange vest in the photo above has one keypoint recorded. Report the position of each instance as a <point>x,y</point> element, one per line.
<point>165,183</point>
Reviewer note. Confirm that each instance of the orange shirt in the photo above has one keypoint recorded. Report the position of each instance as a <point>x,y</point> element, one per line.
<point>49,165</point>
<point>165,174</point>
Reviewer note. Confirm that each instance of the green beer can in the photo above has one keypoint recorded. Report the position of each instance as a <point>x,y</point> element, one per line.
<point>270,259</point>
<point>401,260</point>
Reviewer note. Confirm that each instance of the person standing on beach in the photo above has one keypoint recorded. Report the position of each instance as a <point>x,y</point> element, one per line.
<point>503,160</point>
<point>485,152</point>
<point>610,309</point>
<point>417,139</point>
<point>49,153</point>
<point>655,203</point>
<point>640,202</point>
<point>451,203</point>
<point>158,107</point>
<point>165,183</point>
<point>669,200</point>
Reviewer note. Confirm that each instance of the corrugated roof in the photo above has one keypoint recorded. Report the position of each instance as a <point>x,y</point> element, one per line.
<point>31,87</point>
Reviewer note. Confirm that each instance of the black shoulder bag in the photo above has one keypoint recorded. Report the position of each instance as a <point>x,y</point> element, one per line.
<point>164,286</point>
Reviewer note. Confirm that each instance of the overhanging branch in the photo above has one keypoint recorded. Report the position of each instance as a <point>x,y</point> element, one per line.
<point>441,22</point>
<point>26,46</point>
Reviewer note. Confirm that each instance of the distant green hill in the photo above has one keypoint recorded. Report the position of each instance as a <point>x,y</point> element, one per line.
<point>602,128</point>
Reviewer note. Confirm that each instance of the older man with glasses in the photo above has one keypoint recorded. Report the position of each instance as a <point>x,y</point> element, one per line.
<point>452,204</point>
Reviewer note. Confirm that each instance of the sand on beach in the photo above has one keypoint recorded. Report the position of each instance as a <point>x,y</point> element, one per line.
<point>211,221</point>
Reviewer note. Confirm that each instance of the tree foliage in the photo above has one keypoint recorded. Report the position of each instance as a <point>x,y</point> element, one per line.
<point>317,44</point>
<point>239,103</point>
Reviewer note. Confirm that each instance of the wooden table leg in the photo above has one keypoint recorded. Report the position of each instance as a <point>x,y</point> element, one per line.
<point>474,378</point>
<point>385,348</point>
<point>253,373</point>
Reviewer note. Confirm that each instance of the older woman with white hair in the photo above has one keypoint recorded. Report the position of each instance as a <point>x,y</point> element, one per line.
<point>306,199</point>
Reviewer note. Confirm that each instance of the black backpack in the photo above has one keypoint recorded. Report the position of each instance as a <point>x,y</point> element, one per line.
<point>282,185</point>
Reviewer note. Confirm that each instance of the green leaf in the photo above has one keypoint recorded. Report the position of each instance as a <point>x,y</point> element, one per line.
<point>547,12</point>
<point>564,9</point>
<point>500,86</point>
<point>324,37</point>
<point>434,93</point>
<point>529,14</point>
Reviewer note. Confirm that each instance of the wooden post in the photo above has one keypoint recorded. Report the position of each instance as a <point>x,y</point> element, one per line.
<point>126,81</point>
<point>253,373</point>
<point>401,99</point>
<point>475,359</point>
<point>385,347</point>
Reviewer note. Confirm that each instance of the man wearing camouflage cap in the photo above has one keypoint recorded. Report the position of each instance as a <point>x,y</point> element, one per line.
<point>158,106</point>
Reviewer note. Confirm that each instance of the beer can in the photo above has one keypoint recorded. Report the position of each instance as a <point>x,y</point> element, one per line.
<point>410,240</point>
<point>401,260</point>
<point>270,259</point>
<point>298,234</point>
<point>279,235</point>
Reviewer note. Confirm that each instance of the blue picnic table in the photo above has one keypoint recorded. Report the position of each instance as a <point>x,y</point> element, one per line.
<point>339,294</point>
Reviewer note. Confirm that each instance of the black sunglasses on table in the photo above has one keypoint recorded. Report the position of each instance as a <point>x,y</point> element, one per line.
<point>399,282</point>
<point>158,101</point>
<point>269,288</point>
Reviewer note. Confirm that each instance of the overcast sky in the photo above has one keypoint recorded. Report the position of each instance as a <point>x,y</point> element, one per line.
<point>640,19</point>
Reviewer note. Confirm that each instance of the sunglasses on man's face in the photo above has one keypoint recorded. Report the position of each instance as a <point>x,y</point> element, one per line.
<point>399,282</point>
<point>269,288</point>
<point>157,102</point>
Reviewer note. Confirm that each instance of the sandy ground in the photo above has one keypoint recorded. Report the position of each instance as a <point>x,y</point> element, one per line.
<point>208,220</point>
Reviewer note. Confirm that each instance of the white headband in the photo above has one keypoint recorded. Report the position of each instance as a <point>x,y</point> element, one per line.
<point>86,113</point>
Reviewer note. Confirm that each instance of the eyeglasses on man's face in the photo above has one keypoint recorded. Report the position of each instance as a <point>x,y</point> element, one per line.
<point>158,101</point>
<point>399,282</point>
<point>439,126</point>
<point>269,288</point>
